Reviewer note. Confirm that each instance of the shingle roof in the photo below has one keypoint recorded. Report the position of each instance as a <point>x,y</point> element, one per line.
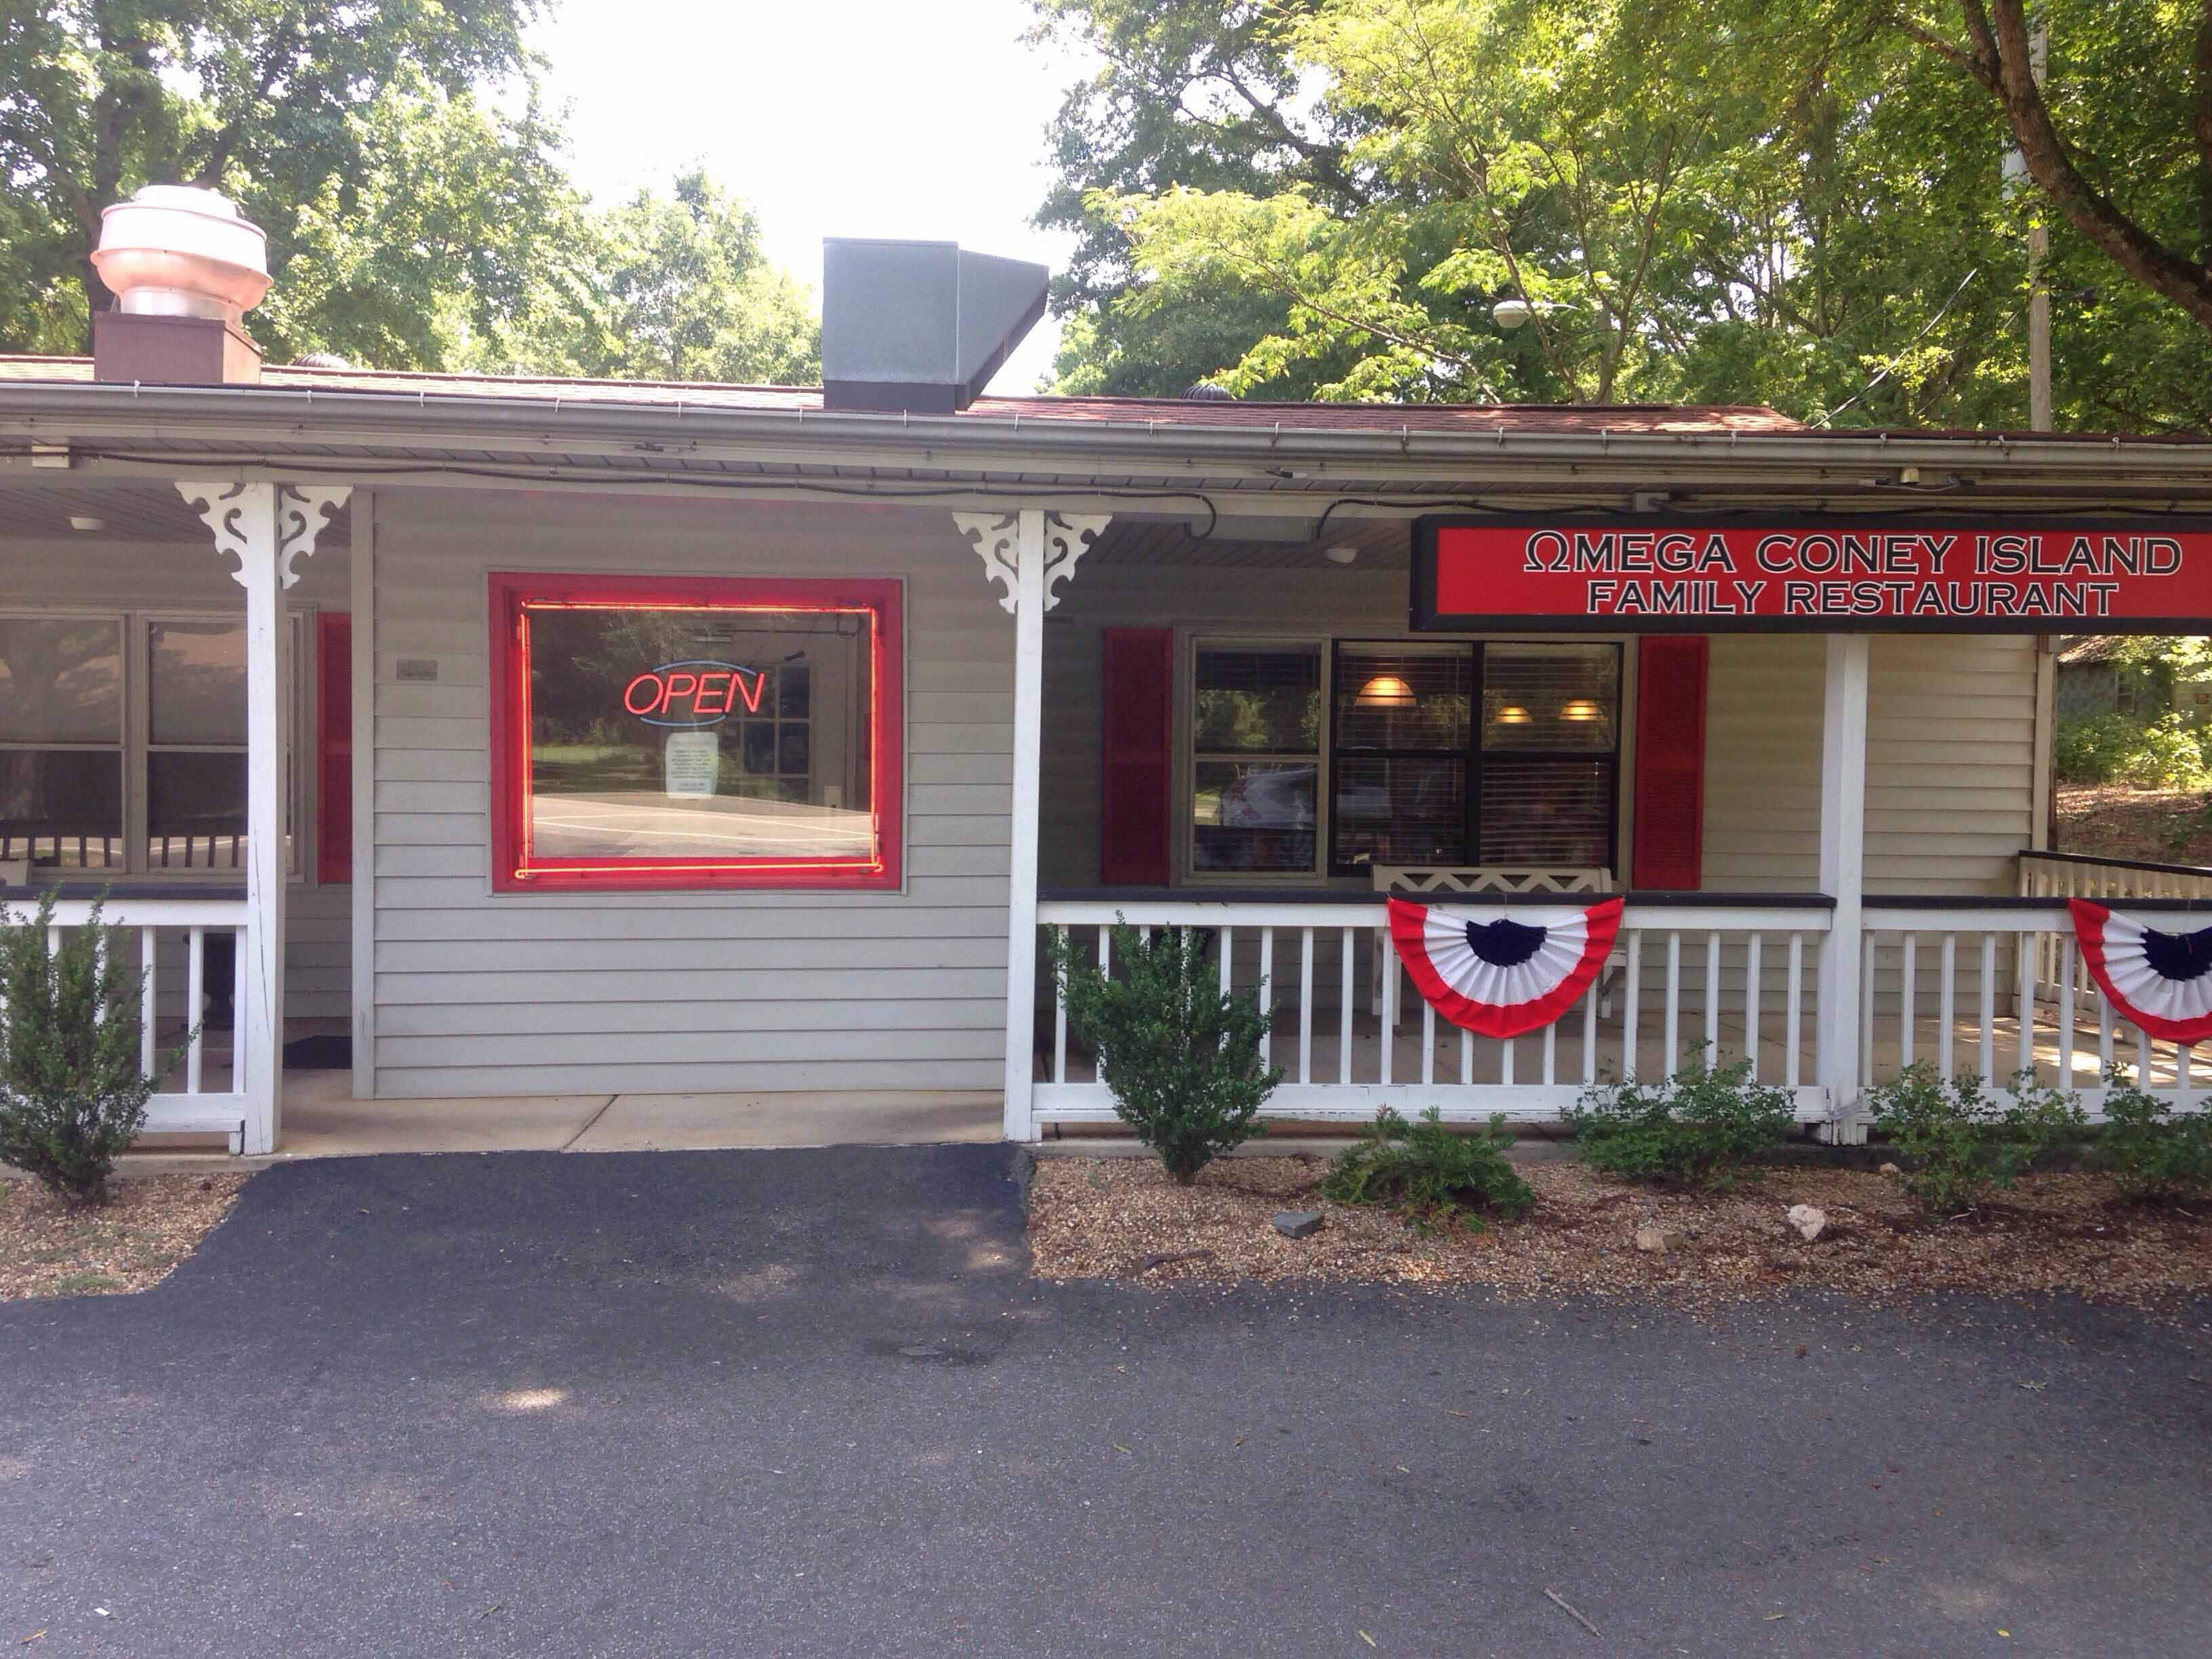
<point>1166,412</point>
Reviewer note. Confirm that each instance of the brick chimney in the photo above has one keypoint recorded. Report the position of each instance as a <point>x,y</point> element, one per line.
<point>184,270</point>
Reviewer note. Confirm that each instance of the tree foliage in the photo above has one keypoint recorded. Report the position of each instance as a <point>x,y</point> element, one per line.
<point>415,195</point>
<point>1800,202</point>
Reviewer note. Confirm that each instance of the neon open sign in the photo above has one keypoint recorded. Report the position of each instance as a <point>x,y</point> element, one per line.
<point>693,693</point>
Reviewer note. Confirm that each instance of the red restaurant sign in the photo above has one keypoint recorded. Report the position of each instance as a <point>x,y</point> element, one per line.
<point>1832,575</point>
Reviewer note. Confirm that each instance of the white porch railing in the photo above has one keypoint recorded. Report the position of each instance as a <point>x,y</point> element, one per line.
<point>205,1094</point>
<point>1731,977</point>
<point>1941,986</point>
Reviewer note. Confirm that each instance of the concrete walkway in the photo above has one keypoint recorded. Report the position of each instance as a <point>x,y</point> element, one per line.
<point>795,1404</point>
<point>322,1119</point>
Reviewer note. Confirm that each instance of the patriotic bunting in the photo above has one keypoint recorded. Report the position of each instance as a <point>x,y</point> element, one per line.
<point>2161,981</point>
<point>1499,972</point>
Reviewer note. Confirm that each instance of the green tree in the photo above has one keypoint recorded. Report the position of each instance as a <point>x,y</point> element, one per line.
<point>289,106</point>
<point>664,287</point>
<point>1784,201</point>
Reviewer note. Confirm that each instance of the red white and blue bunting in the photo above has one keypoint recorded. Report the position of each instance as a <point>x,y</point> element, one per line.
<point>2161,981</point>
<point>1499,972</point>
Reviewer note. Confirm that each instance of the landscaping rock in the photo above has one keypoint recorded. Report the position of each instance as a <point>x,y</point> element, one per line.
<point>1809,1220</point>
<point>1655,1240</point>
<point>1297,1224</point>
<point>1890,1170</point>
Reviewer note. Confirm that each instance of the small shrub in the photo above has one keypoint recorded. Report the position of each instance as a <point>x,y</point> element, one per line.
<point>2150,1150</point>
<point>1960,1144</point>
<point>1181,1058</point>
<point>2159,753</point>
<point>1428,1172</point>
<point>1696,1128</point>
<point>72,1096</point>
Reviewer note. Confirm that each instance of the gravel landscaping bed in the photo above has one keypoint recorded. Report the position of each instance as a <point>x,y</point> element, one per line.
<point>136,1239</point>
<point>1123,1218</point>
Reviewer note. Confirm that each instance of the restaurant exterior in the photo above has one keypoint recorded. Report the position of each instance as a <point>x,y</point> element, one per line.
<point>552,738</point>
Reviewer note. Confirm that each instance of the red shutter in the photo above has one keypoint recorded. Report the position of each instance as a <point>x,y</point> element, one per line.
<point>1138,673</point>
<point>1670,762</point>
<point>334,747</point>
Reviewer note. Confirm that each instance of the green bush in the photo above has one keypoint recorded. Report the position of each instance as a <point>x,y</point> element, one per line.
<point>1959,1144</point>
<point>72,1096</point>
<point>1696,1128</point>
<point>2163,753</point>
<point>1181,1058</point>
<point>1428,1172</point>
<point>2151,1152</point>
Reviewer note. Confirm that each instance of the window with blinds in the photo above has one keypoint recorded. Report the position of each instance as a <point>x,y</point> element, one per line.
<point>1255,756</point>
<point>1474,753</point>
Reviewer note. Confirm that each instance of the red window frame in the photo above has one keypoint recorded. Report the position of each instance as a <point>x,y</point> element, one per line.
<point>515,869</point>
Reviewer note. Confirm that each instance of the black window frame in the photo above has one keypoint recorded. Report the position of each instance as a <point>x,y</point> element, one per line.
<point>1473,756</point>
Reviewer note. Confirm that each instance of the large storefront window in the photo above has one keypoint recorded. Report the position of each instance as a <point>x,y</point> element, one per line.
<point>695,734</point>
<point>1255,755</point>
<point>1464,753</point>
<point>61,742</point>
<point>94,764</point>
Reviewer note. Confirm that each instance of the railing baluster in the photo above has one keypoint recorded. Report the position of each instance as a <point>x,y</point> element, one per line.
<point>195,997</point>
<point>1385,1048</point>
<point>1631,995</point>
<point>1305,1005</point>
<point>1346,936</point>
<point>1910,1002</point>
<point>1868,961</point>
<point>2066,1021</point>
<point>148,1003</point>
<point>1989,1047</point>
<point>2104,1040</point>
<point>2145,1077</point>
<point>1713,999</point>
<point>1105,951</point>
<point>1551,1054</point>
<point>1428,1041</point>
<point>1059,1018</point>
<point>1505,1063</point>
<point>2028,955</point>
<point>1466,1058</point>
<point>1793,1016</point>
<point>1590,1037</point>
<point>1267,995</point>
<point>1751,992</point>
<point>1672,1023</point>
<point>1947,1007</point>
<point>1227,963</point>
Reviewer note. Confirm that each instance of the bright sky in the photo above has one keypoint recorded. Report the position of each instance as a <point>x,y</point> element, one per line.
<point>835,117</point>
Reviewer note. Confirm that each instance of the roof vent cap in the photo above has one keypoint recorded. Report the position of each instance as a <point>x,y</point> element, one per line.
<point>174,251</point>
<point>1205,392</point>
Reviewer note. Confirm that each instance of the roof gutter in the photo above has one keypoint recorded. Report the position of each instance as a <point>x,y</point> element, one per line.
<point>275,419</point>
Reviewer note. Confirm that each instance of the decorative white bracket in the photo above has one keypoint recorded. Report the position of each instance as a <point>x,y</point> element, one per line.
<point>1067,538</point>
<point>997,539</point>
<point>297,513</point>
<point>993,535</point>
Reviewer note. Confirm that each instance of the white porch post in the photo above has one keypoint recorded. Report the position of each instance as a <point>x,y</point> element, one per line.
<point>1843,878</point>
<point>1028,553</point>
<point>266,528</point>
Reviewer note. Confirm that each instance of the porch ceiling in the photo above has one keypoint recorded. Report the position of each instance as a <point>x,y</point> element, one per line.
<point>131,512</point>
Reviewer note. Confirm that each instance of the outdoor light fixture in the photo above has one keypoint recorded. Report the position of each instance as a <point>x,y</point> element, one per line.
<point>1384,691</point>
<point>1579,708</point>
<point>1340,555</point>
<point>86,522</point>
<point>1513,714</point>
